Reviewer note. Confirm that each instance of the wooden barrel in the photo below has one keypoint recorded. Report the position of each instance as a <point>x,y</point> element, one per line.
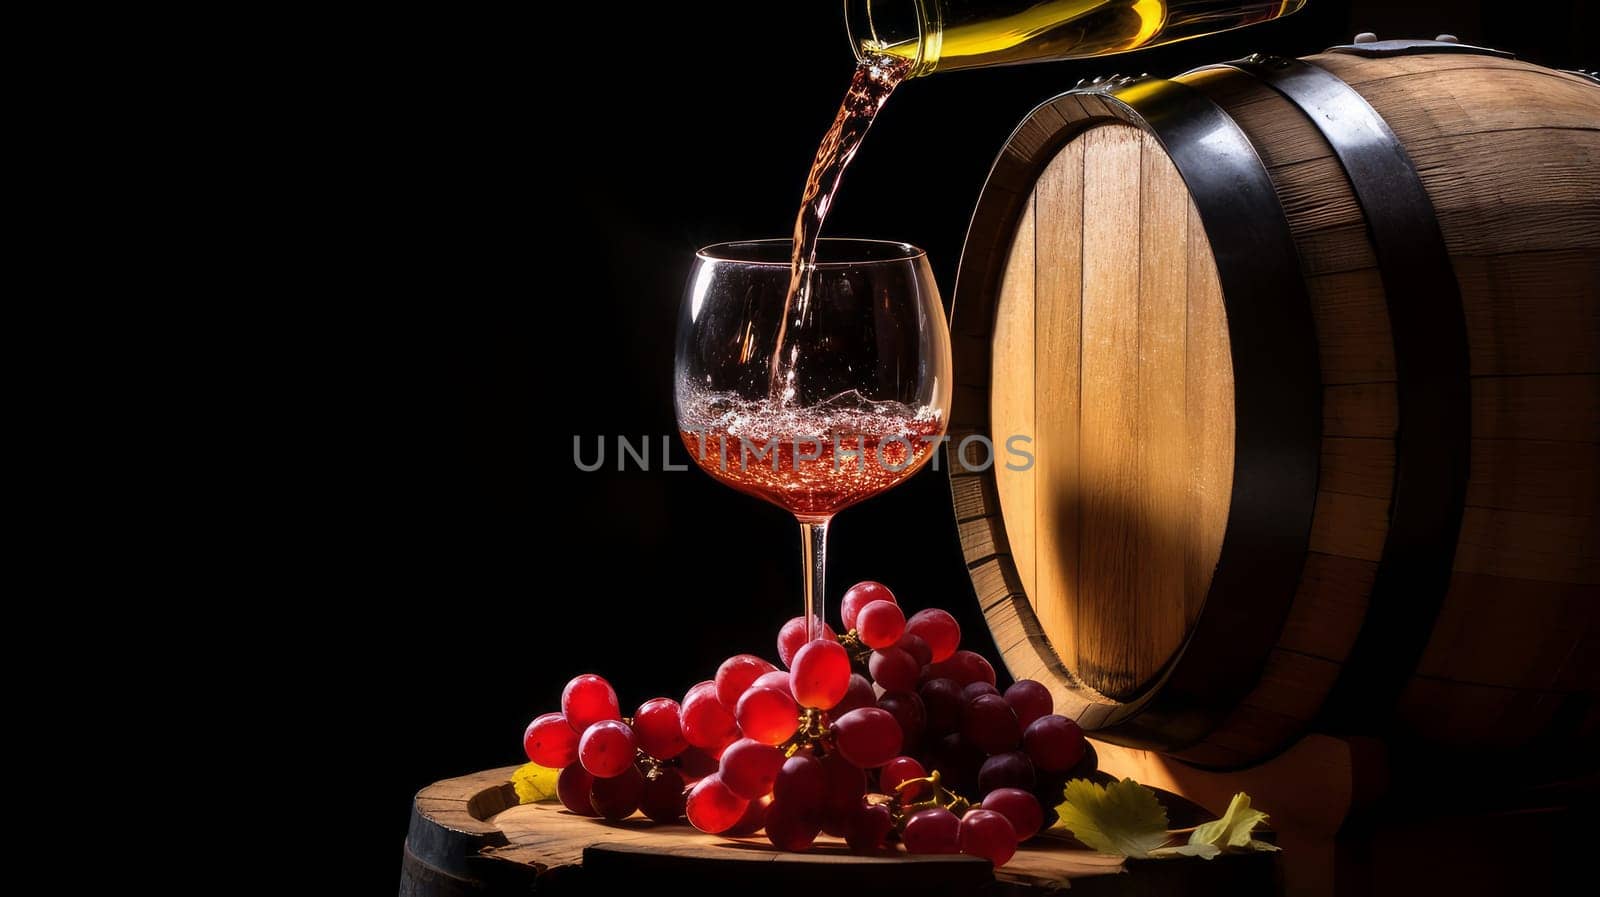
<point>469,837</point>
<point>1292,373</point>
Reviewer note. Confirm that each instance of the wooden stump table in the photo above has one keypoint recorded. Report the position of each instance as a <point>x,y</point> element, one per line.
<point>469,836</point>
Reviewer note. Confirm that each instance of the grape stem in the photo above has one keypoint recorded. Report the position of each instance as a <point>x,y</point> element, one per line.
<point>942,797</point>
<point>858,650</point>
<point>810,733</point>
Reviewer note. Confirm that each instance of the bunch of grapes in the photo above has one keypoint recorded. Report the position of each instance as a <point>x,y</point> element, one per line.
<point>958,766</point>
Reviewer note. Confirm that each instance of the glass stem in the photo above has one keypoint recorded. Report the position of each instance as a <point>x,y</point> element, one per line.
<point>814,549</point>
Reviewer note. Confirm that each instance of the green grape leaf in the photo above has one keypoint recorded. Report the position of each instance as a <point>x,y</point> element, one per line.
<point>1203,851</point>
<point>1233,830</point>
<point>1121,819</point>
<point>535,784</point>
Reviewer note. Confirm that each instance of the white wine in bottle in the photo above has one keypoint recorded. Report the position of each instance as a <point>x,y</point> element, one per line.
<point>946,35</point>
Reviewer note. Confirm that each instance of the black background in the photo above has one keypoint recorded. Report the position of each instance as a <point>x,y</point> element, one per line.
<point>547,196</point>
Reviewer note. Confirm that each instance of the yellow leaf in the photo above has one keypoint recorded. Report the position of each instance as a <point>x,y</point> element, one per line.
<point>1121,819</point>
<point>535,783</point>
<point>1234,828</point>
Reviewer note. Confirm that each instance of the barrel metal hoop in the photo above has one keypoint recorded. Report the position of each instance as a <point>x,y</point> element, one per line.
<point>1277,381</point>
<point>1382,49</point>
<point>1432,451</point>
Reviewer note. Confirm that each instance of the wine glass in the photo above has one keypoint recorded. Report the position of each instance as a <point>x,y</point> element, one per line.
<point>819,402</point>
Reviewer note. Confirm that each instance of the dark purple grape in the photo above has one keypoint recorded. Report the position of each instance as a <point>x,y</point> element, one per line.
<point>990,724</point>
<point>868,827</point>
<point>1020,808</point>
<point>987,834</point>
<point>957,760</point>
<point>618,796</point>
<point>894,669</point>
<point>1029,700</point>
<point>977,689</point>
<point>868,738</point>
<point>934,830</point>
<point>572,786</point>
<point>790,829</point>
<point>907,710</point>
<point>857,696</point>
<point>1011,769</point>
<point>1054,743</point>
<point>801,785</point>
<point>914,645</point>
<point>966,667</point>
<point>942,700</point>
<point>843,786</point>
<point>663,796</point>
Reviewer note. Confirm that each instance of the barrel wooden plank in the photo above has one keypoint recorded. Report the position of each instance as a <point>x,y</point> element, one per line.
<point>1161,444</point>
<point>1527,312</point>
<point>1011,401</point>
<point>1483,614</point>
<point>1208,403</point>
<point>1107,640</point>
<point>1058,237</point>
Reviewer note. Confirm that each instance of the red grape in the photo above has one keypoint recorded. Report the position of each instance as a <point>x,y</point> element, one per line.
<point>907,710</point>
<point>768,715</point>
<point>1011,769</point>
<point>916,647</point>
<point>820,674</point>
<point>963,666</point>
<point>880,624</point>
<point>791,829</point>
<point>901,769</point>
<point>550,742</point>
<point>1019,808</point>
<point>793,635</point>
<point>706,723</point>
<point>894,669</point>
<point>618,796</point>
<point>977,689</point>
<point>987,834</point>
<point>588,699</point>
<point>1054,743</point>
<point>695,764</point>
<point>712,808</point>
<point>843,785</point>
<point>778,679</point>
<point>989,723</point>
<point>942,699</point>
<point>868,737</point>
<point>749,768</point>
<point>736,674</point>
<point>801,785</point>
<point>656,725</point>
<point>938,629</point>
<point>607,749</point>
<point>1030,700</point>
<point>860,595</point>
<point>663,796</point>
<point>753,820</point>
<point>572,786</point>
<point>870,824</point>
<point>857,696</point>
<point>934,830</point>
